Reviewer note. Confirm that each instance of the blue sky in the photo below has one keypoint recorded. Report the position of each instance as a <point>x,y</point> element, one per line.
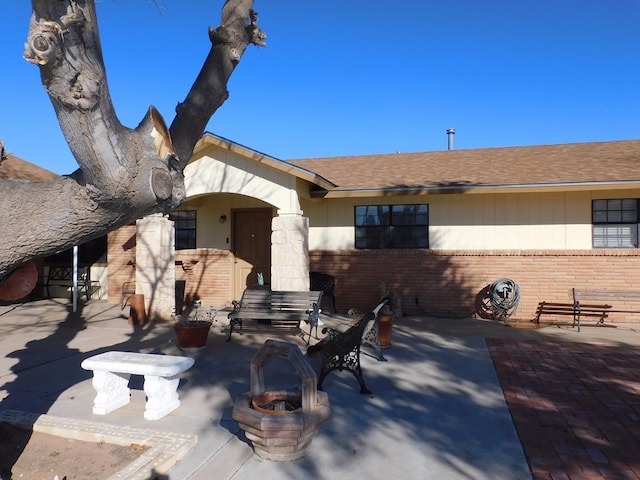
<point>347,77</point>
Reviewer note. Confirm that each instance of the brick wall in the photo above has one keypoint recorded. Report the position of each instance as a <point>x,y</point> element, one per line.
<point>121,255</point>
<point>449,283</point>
<point>207,272</point>
<point>446,283</point>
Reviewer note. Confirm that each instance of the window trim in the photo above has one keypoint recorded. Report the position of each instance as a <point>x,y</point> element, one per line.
<point>386,222</point>
<point>190,217</point>
<point>603,230</point>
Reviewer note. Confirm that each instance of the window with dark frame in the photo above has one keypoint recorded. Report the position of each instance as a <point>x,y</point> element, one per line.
<point>89,253</point>
<point>392,226</point>
<point>185,227</point>
<point>615,223</point>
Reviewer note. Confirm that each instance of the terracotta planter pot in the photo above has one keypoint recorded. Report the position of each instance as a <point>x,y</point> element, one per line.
<point>385,327</point>
<point>19,283</point>
<point>192,336</point>
<point>137,312</point>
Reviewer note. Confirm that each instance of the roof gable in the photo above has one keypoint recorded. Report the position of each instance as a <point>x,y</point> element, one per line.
<point>210,140</point>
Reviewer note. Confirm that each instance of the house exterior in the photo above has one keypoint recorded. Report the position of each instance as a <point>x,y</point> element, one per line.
<point>436,227</point>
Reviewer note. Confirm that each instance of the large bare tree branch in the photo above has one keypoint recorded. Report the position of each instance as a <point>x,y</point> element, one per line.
<point>209,91</point>
<point>125,173</point>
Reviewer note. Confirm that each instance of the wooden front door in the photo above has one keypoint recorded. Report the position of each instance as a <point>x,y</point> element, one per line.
<point>251,248</point>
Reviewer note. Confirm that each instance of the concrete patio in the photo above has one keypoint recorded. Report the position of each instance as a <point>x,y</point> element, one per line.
<point>437,408</point>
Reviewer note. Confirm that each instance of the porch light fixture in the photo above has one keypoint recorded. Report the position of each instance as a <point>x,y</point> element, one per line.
<point>223,218</point>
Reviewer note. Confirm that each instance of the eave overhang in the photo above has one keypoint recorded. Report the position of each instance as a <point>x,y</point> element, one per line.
<point>474,189</point>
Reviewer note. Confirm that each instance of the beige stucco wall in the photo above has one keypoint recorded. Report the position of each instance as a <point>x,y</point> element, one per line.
<point>211,233</point>
<point>474,221</point>
<point>222,180</point>
<point>224,171</point>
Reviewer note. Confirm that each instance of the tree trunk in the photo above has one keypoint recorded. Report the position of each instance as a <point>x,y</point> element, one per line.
<point>124,173</point>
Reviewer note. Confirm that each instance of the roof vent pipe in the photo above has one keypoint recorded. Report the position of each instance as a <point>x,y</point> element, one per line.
<point>450,133</point>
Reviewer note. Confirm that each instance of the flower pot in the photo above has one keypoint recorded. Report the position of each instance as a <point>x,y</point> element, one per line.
<point>19,283</point>
<point>385,327</point>
<point>192,335</point>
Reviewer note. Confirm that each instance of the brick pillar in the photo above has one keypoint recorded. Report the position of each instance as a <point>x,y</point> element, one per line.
<point>155,265</point>
<point>290,252</point>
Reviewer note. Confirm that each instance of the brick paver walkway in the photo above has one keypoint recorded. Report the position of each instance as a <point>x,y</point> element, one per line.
<point>576,407</point>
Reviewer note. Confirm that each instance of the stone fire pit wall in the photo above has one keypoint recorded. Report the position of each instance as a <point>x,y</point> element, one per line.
<point>282,436</point>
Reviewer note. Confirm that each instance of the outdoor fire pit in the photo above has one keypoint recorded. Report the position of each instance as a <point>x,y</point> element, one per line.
<point>278,402</point>
<point>281,422</point>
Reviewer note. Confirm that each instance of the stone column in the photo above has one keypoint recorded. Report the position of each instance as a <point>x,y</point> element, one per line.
<point>155,265</point>
<point>290,252</point>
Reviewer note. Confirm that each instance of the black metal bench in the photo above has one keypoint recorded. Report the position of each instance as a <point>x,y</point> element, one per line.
<point>264,310</point>
<point>340,350</point>
<point>326,284</point>
<point>576,311</point>
<point>62,276</point>
<point>626,297</point>
<point>601,311</point>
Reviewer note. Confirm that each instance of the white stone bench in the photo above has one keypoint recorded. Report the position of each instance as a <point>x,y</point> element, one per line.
<point>111,372</point>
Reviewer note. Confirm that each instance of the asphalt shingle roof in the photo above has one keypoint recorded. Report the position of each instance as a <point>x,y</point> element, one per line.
<point>616,161</point>
<point>18,169</point>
